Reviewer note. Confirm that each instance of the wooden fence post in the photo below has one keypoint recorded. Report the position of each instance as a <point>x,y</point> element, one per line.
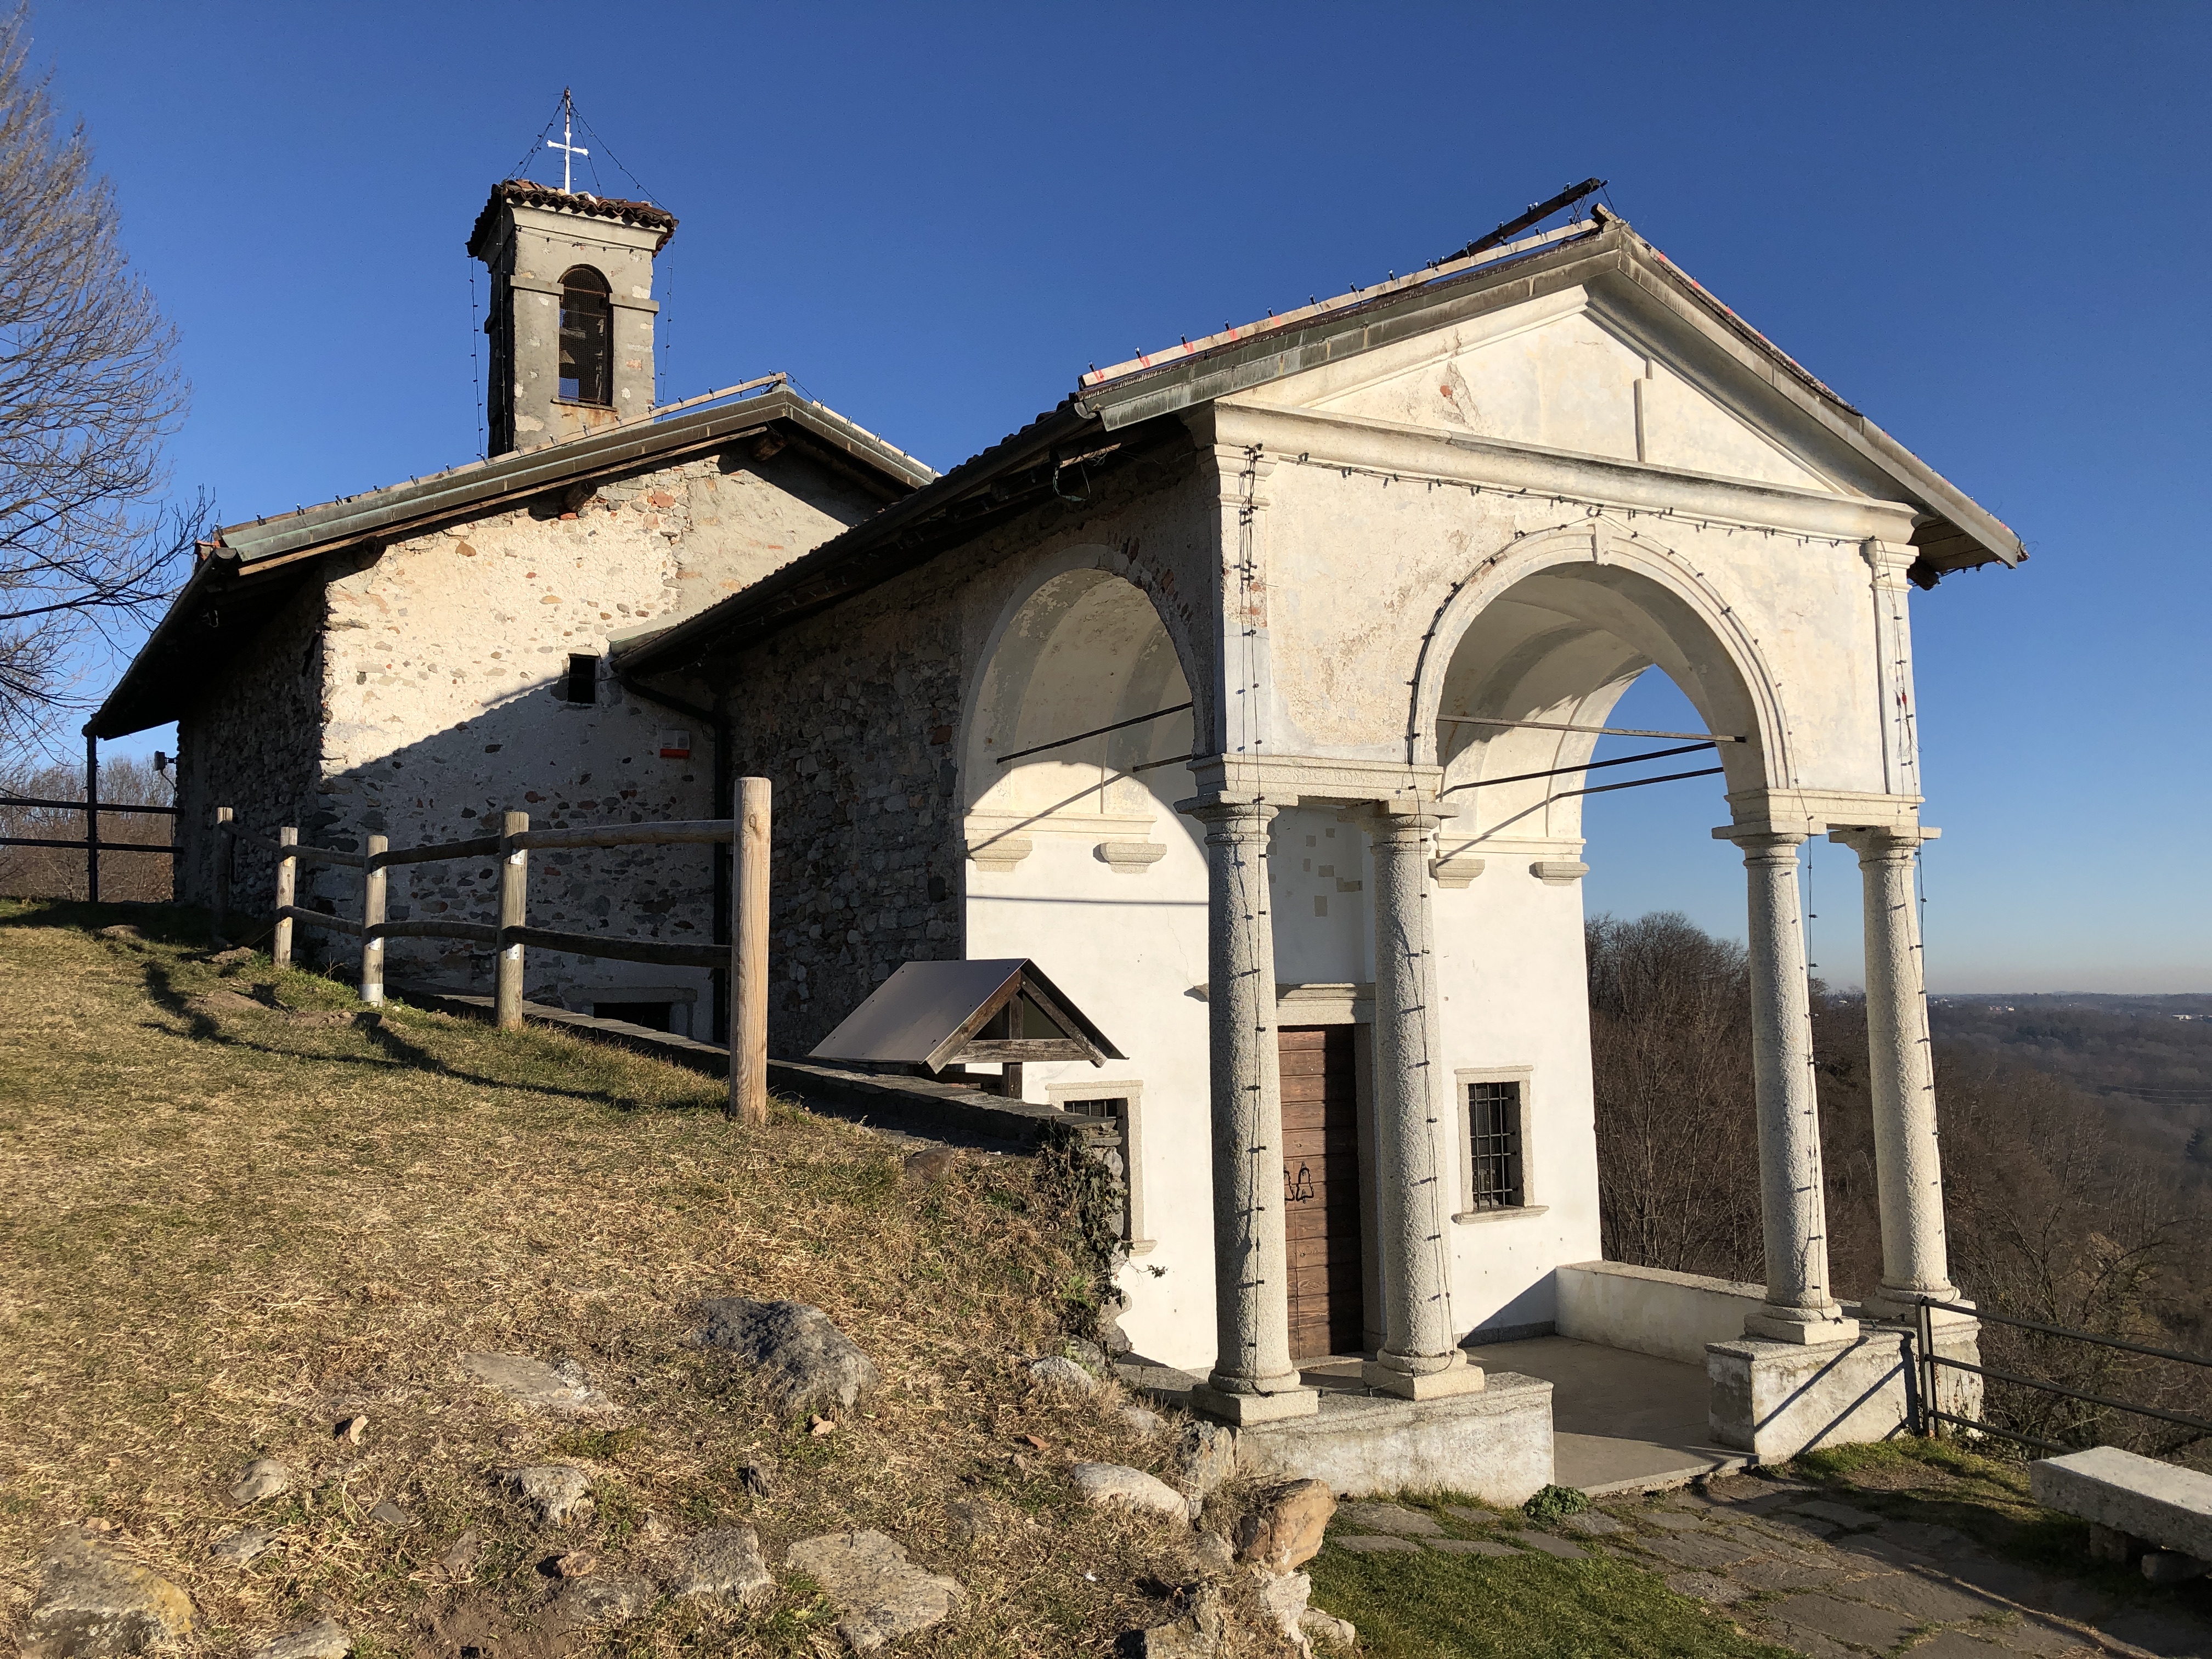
<point>91,819</point>
<point>749,956</point>
<point>372,917</point>
<point>287,870</point>
<point>513,902</point>
<point>223,832</point>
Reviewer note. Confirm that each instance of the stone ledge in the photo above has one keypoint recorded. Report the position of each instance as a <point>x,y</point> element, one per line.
<point>1496,1443</point>
<point>2139,1496</point>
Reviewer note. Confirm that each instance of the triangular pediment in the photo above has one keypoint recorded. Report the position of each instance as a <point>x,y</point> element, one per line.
<point>1559,372</point>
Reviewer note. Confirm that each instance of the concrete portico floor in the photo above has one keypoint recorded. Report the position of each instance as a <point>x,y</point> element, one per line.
<point>1620,1421</point>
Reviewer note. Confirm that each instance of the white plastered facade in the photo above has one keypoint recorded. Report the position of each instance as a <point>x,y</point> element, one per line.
<point>1510,516</point>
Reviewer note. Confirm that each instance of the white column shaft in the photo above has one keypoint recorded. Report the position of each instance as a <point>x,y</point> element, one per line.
<point>1793,1203</point>
<point>1908,1166</point>
<point>1413,1200</point>
<point>1250,1264</point>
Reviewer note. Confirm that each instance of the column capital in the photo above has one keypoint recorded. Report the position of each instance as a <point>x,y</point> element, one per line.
<point>1757,840</point>
<point>1888,560</point>
<point>1885,841</point>
<point>1231,807</point>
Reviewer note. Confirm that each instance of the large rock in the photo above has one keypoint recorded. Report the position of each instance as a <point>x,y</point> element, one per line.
<point>558,1491</point>
<point>1202,1633</point>
<point>92,1604</point>
<point>723,1564</point>
<point>1284,1526</point>
<point>1060,1374</point>
<point>264,1476</point>
<point>881,1594</point>
<point>323,1639</point>
<point>561,1388</point>
<point>1116,1485</point>
<point>803,1361</point>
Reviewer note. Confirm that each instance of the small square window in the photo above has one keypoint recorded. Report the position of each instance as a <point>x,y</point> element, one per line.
<point>1494,1151</point>
<point>583,684</point>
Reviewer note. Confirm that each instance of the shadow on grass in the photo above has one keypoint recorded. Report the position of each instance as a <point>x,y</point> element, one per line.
<point>396,1052</point>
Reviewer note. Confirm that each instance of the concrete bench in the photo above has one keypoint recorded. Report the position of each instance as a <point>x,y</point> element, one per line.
<point>2138,1498</point>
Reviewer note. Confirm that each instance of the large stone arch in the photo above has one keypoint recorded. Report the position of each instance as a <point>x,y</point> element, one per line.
<point>1555,626</point>
<point>1080,643</point>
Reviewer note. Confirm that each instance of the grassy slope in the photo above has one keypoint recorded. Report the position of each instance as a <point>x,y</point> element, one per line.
<point>223,1231</point>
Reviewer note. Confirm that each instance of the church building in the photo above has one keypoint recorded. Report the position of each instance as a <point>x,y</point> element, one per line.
<point>1248,693</point>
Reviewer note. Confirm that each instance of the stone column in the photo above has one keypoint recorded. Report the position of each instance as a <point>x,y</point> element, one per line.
<point>1421,1357</point>
<point>1908,1170</point>
<point>1252,1379</point>
<point>1792,1204</point>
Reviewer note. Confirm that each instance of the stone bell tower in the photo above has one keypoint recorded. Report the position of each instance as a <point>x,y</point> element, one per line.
<point>572,310</point>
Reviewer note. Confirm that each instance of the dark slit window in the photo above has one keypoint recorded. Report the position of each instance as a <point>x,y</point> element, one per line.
<point>1494,1141</point>
<point>586,338</point>
<point>583,680</point>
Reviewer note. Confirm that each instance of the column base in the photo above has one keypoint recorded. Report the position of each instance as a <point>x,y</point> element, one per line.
<point>1456,1378</point>
<point>1801,1325</point>
<point>1242,1408</point>
<point>1902,1306</point>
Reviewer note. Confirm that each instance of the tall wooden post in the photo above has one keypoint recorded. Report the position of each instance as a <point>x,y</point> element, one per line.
<point>223,832</point>
<point>91,819</point>
<point>749,956</point>
<point>287,870</point>
<point>372,918</point>
<point>513,902</point>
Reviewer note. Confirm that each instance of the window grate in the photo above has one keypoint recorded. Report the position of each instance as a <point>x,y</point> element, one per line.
<point>1494,1141</point>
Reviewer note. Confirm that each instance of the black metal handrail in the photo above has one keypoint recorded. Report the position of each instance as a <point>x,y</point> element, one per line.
<point>1930,1413</point>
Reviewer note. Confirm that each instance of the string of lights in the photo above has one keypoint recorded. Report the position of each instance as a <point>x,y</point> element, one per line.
<point>1598,506</point>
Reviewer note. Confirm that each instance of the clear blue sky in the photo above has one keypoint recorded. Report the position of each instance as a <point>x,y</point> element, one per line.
<point>1984,225</point>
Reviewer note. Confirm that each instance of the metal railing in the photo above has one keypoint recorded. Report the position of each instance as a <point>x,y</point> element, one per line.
<point>746,956</point>
<point>1931,1414</point>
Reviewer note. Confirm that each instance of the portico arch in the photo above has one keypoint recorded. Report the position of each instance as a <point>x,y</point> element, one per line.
<point>1548,633</point>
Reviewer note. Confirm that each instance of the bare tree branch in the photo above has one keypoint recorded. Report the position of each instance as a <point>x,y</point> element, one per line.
<point>88,393</point>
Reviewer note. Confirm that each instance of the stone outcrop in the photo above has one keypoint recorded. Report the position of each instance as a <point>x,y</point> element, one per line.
<point>561,1388</point>
<point>881,1594</point>
<point>1115,1486</point>
<point>559,1492</point>
<point>95,1604</point>
<point>802,1361</point>
<point>723,1564</point>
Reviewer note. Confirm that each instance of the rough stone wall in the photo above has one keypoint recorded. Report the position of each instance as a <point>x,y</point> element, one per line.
<point>435,700</point>
<point>853,716</point>
<point>250,743</point>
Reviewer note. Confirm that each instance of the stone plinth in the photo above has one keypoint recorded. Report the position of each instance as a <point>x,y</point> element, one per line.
<point>1774,1399</point>
<point>1495,1445</point>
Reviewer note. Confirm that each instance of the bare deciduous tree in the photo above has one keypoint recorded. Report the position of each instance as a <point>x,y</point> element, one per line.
<point>88,393</point>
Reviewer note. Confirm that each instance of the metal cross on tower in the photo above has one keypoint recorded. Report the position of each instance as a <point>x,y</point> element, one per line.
<point>569,151</point>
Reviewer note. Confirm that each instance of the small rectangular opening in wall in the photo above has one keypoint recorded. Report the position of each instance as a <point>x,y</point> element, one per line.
<point>675,745</point>
<point>1120,1108</point>
<point>1494,1145</point>
<point>654,1015</point>
<point>583,682</point>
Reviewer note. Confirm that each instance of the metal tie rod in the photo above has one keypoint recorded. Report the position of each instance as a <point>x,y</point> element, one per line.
<point>1586,766</point>
<point>1600,731</point>
<point>1098,732</point>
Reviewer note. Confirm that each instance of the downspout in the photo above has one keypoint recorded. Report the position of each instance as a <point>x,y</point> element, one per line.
<point>724,781</point>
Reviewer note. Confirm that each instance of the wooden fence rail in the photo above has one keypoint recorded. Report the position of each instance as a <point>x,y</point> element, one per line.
<point>746,956</point>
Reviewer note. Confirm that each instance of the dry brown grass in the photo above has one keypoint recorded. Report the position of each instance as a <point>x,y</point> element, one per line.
<point>223,1232</point>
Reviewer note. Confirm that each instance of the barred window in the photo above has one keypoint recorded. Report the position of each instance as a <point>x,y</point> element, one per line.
<point>1493,1112</point>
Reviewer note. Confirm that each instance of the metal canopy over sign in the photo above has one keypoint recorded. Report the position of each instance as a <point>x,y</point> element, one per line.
<point>936,1014</point>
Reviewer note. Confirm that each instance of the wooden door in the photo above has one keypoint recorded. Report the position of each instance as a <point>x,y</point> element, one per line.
<point>1321,1189</point>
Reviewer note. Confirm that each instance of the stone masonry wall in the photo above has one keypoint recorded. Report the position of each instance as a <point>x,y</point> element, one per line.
<point>438,702</point>
<point>853,716</point>
<point>250,742</point>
